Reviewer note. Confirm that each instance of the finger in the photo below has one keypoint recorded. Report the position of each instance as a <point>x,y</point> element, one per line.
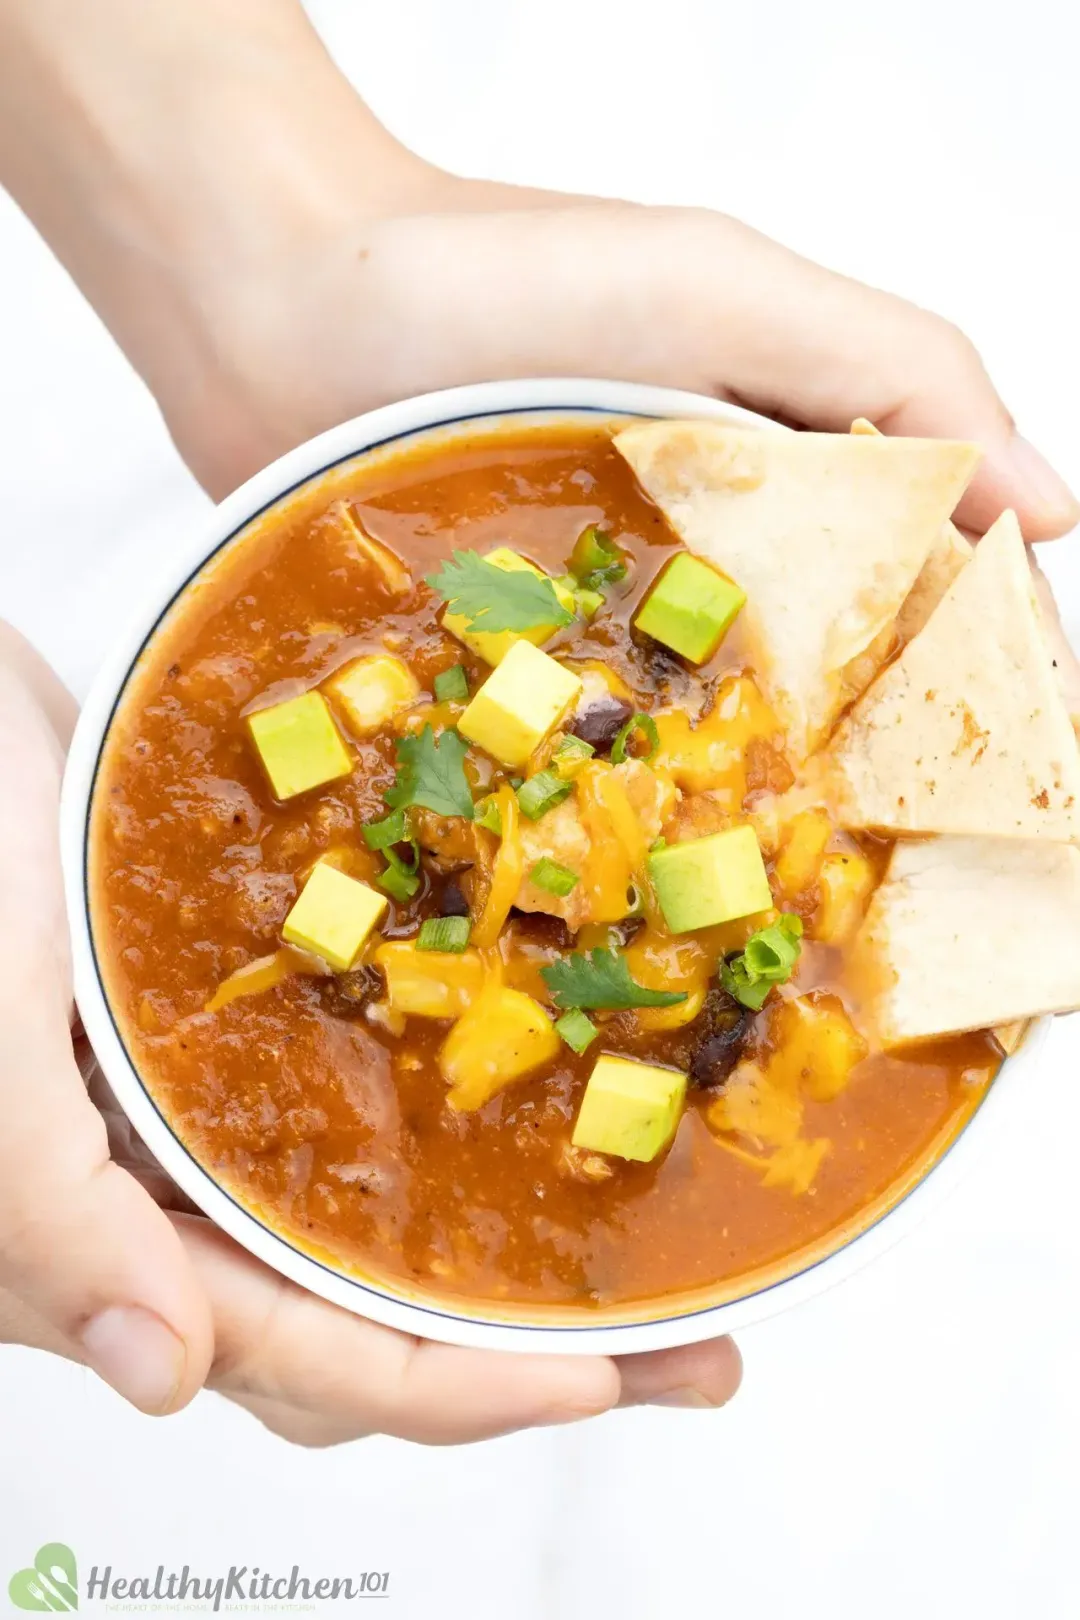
<point>28,667</point>
<point>298,1426</point>
<point>279,1348</point>
<point>695,300</point>
<point>80,1242</point>
<point>697,1375</point>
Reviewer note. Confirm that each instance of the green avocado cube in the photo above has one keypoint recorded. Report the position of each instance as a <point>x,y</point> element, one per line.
<point>519,704</point>
<point>299,745</point>
<point>711,880</point>
<point>333,916</point>
<point>630,1109</point>
<point>690,608</point>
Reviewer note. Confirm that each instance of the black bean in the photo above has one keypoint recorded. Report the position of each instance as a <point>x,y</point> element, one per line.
<point>541,928</point>
<point>719,1036</point>
<point>712,1062</point>
<point>452,902</point>
<point>601,722</point>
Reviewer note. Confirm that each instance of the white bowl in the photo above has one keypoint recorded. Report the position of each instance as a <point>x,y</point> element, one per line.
<point>389,1302</point>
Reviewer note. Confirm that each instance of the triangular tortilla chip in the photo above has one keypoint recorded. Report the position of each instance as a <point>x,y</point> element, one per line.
<point>966,933</point>
<point>1064,660</point>
<point>967,731</point>
<point>948,554</point>
<point>826,533</point>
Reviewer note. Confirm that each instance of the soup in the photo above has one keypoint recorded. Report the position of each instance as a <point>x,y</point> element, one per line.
<point>361,1104</point>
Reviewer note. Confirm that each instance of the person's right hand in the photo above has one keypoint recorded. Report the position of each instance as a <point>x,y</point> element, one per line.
<point>103,1261</point>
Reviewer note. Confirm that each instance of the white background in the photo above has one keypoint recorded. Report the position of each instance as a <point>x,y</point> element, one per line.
<point>908,1444</point>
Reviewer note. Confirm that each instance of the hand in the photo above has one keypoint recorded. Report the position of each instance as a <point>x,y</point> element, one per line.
<point>273,261</point>
<point>463,281</point>
<point>104,1262</point>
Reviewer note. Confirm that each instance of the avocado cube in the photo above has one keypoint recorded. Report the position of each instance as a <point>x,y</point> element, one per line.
<point>333,916</point>
<point>519,704</point>
<point>629,1109</point>
<point>493,646</point>
<point>690,608</point>
<point>710,880</point>
<point>372,690</point>
<point>299,745</point>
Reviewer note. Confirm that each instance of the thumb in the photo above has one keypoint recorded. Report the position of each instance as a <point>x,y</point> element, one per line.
<point>80,1242</point>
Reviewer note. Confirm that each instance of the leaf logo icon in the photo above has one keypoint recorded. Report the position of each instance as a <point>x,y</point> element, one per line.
<point>51,1586</point>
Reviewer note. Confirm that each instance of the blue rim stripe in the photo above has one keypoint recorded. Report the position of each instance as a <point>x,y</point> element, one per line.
<point>295,1248</point>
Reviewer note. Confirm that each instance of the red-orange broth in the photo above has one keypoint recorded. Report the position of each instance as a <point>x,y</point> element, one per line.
<point>311,1113</point>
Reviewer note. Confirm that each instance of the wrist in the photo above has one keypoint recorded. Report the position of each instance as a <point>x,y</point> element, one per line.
<point>170,153</point>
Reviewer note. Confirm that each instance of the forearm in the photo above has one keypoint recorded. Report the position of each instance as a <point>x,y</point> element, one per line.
<point>169,150</point>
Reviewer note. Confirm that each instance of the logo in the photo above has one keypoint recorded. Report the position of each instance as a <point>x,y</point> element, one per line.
<point>51,1585</point>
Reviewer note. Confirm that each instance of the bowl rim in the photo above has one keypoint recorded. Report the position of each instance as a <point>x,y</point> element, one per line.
<point>465,1323</point>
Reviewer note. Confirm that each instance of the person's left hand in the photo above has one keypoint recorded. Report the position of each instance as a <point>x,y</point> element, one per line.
<point>444,281</point>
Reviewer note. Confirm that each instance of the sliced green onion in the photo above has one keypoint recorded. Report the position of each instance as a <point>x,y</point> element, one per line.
<point>772,953</point>
<point>595,560</point>
<point>487,815</point>
<point>541,793</point>
<point>444,934</point>
<point>768,958</point>
<point>635,901</point>
<point>636,722</point>
<point>576,1029</point>
<point>570,756</point>
<point>452,685</point>
<point>737,983</point>
<point>400,880</point>
<point>390,830</point>
<point>553,878</point>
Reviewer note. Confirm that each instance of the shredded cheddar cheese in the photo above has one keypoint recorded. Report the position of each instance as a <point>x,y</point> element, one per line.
<point>506,873</point>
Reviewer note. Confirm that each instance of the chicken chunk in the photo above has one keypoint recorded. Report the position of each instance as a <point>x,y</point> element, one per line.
<point>561,836</point>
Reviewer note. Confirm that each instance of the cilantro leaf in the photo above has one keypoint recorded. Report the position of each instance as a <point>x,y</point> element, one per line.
<point>601,978</point>
<point>431,773</point>
<point>493,599</point>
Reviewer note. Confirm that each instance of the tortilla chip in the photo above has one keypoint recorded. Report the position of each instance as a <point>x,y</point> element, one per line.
<point>966,933</point>
<point>826,533</point>
<point>967,732</point>
<point>1009,1036</point>
<point>1064,660</point>
<point>948,554</point>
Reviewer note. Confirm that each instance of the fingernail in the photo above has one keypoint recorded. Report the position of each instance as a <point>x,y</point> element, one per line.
<point>684,1397</point>
<point>1040,482</point>
<point>137,1354</point>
